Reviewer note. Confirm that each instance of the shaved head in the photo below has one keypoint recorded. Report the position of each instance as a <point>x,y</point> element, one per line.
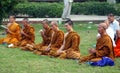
<point>54,23</point>
<point>104,25</point>
<point>102,28</point>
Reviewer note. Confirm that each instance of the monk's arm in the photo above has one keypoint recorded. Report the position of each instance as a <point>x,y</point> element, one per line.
<point>103,51</point>
<point>48,38</point>
<point>31,33</point>
<point>59,40</point>
<point>17,31</point>
<point>75,43</point>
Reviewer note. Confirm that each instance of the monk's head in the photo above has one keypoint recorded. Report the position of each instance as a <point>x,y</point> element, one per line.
<point>11,18</point>
<point>45,23</point>
<point>68,25</point>
<point>102,28</point>
<point>25,21</point>
<point>111,17</point>
<point>54,25</point>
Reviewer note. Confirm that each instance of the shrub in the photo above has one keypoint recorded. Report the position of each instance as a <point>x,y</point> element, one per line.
<point>56,9</point>
<point>39,9</point>
<point>96,8</point>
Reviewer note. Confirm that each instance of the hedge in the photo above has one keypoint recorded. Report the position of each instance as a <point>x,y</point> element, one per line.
<point>55,9</point>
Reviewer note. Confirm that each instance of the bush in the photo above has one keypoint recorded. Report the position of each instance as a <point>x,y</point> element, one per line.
<point>56,9</point>
<point>96,8</point>
<point>39,9</point>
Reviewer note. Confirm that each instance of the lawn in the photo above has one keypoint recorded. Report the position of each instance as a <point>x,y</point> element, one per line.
<point>18,61</point>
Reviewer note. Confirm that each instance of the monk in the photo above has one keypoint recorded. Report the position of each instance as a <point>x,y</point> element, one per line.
<point>27,34</point>
<point>104,47</point>
<point>117,48</point>
<point>56,41</point>
<point>70,48</point>
<point>13,32</point>
<point>46,34</point>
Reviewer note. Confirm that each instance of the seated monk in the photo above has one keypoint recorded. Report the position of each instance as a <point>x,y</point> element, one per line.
<point>70,47</point>
<point>13,32</point>
<point>117,48</point>
<point>46,34</point>
<point>110,32</point>
<point>104,47</point>
<point>56,41</point>
<point>27,34</point>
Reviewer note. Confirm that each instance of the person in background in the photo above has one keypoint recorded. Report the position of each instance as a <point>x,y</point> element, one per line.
<point>67,9</point>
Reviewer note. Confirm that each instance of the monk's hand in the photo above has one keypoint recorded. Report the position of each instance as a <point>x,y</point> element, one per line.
<point>92,50</point>
<point>59,51</point>
<point>8,31</point>
<point>42,33</point>
<point>48,48</point>
<point>22,32</point>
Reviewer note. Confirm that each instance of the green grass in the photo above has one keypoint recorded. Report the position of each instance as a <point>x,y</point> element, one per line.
<point>18,61</point>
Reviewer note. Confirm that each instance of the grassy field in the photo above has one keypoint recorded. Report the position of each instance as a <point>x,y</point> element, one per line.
<point>18,61</point>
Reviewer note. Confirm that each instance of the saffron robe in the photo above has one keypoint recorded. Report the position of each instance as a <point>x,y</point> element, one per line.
<point>14,37</point>
<point>71,46</point>
<point>29,30</point>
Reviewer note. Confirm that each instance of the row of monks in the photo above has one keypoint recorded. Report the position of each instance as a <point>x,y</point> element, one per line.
<point>55,42</point>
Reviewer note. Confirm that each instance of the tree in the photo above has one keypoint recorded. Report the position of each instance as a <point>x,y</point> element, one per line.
<point>7,6</point>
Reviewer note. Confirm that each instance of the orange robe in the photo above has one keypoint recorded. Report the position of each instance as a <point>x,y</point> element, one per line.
<point>14,37</point>
<point>37,47</point>
<point>104,47</point>
<point>71,46</point>
<point>29,30</point>
<point>117,48</point>
<point>56,42</point>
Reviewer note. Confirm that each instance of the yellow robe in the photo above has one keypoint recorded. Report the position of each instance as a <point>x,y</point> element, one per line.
<point>104,47</point>
<point>71,46</point>
<point>29,30</point>
<point>14,37</point>
<point>56,42</point>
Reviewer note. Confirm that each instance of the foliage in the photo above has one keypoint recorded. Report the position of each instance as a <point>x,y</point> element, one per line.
<point>56,9</point>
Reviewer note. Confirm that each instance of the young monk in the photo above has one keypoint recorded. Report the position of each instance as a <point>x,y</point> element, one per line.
<point>70,47</point>
<point>117,48</point>
<point>104,47</point>
<point>27,34</point>
<point>13,32</point>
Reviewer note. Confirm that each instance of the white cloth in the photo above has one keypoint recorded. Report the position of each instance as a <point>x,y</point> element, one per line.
<point>70,0</point>
<point>110,32</point>
<point>67,8</point>
<point>115,26</point>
